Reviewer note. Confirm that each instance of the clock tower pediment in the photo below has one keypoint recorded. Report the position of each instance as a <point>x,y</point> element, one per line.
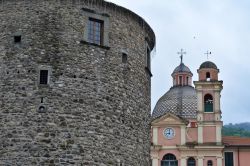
<point>168,119</point>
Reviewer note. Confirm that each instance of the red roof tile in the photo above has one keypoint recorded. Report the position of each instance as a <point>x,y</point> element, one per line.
<point>235,141</point>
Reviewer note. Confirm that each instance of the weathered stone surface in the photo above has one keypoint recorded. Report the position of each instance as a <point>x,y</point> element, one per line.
<point>97,108</point>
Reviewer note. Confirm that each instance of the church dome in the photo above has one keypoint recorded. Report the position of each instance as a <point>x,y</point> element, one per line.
<point>208,64</point>
<point>179,100</point>
<point>181,68</point>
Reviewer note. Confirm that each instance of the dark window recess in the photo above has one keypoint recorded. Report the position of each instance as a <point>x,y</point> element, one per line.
<point>208,76</point>
<point>41,99</point>
<point>180,80</point>
<point>229,160</point>
<point>17,38</point>
<point>95,31</point>
<point>191,162</point>
<point>148,59</point>
<point>209,163</point>
<point>208,103</point>
<point>44,77</point>
<point>124,58</point>
<point>169,160</point>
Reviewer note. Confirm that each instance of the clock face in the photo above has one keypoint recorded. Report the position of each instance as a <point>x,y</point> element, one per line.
<point>169,133</point>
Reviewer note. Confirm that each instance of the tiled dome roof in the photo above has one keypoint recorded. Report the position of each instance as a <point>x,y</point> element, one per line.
<point>181,68</point>
<point>179,100</point>
<point>208,64</point>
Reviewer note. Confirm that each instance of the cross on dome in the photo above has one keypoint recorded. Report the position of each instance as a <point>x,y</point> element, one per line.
<point>182,52</point>
<point>208,53</point>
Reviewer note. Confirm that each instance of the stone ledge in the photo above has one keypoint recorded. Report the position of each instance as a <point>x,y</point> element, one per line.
<point>93,44</point>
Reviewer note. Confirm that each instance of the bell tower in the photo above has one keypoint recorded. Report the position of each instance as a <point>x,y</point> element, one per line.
<point>208,90</point>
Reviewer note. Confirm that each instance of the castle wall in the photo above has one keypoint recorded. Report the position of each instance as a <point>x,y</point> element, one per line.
<point>97,107</point>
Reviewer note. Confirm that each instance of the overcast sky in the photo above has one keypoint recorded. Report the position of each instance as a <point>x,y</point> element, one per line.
<point>220,26</point>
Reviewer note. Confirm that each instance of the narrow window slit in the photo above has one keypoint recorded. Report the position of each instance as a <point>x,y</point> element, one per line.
<point>148,59</point>
<point>44,77</point>
<point>124,58</point>
<point>17,38</point>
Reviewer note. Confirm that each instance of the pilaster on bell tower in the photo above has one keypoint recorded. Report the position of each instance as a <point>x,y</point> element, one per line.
<point>208,90</point>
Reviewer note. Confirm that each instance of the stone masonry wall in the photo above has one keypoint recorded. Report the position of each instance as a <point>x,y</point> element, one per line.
<point>97,108</point>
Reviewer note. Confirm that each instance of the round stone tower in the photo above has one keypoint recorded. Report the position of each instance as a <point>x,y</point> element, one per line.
<point>74,84</point>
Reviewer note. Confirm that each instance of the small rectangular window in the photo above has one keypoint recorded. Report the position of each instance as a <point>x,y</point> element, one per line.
<point>95,31</point>
<point>124,58</point>
<point>44,77</point>
<point>148,59</point>
<point>229,160</point>
<point>17,38</point>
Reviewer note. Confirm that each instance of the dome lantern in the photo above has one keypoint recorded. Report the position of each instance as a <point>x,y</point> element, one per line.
<point>182,75</point>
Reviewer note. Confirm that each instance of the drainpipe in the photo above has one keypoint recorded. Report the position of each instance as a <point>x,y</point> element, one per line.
<point>238,157</point>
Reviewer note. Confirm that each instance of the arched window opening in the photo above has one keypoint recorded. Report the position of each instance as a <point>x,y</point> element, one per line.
<point>187,80</point>
<point>209,163</point>
<point>191,161</point>
<point>169,160</point>
<point>180,80</point>
<point>208,103</point>
<point>208,76</point>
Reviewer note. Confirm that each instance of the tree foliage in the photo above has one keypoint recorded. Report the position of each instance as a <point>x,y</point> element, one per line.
<point>240,129</point>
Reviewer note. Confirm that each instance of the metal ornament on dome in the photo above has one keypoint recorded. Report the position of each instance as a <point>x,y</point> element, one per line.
<point>208,64</point>
<point>181,53</point>
<point>208,53</point>
<point>182,67</point>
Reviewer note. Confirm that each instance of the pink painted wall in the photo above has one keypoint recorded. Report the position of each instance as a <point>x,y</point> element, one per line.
<point>192,134</point>
<point>169,142</point>
<point>244,157</point>
<point>209,134</point>
<point>213,74</point>
<point>206,159</point>
<point>184,78</point>
<point>208,116</point>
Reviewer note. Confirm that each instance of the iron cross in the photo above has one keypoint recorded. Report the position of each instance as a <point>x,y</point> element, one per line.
<point>208,53</point>
<point>181,53</point>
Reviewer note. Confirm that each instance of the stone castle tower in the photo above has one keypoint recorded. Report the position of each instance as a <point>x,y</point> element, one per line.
<point>74,84</point>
